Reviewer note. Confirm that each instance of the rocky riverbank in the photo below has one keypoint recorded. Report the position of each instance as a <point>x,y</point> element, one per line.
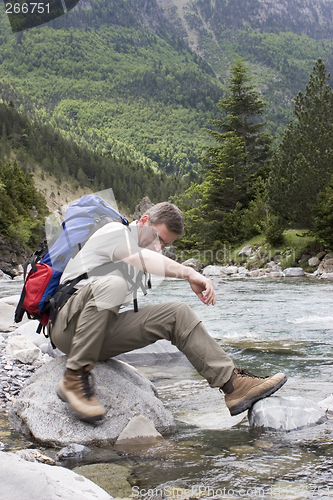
<point>319,266</point>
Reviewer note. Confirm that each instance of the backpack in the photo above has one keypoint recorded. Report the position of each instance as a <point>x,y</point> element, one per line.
<point>42,295</point>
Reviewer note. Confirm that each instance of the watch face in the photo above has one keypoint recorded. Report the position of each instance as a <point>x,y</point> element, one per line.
<point>27,14</point>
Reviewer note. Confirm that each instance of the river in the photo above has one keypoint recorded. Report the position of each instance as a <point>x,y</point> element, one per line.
<point>266,326</point>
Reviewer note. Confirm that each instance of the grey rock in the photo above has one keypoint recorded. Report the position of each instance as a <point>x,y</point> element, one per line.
<point>33,455</point>
<point>22,349</point>
<point>257,273</point>
<point>321,255</point>
<point>245,251</point>
<point>142,208</point>
<point>11,300</point>
<point>313,262</point>
<point>294,272</point>
<point>326,266</point>
<point>327,276</point>
<point>328,256</point>
<point>228,270</point>
<point>196,264</point>
<point>139,430</point>
<point>213,271</point>
<point>27,480</point>
<point>28,330</point>
<point>275,274</point>
<point>4,276</point>
<point>160,349</point>
<point>38,411</point>
<point>73,450</point>
<point>304,258</point>
<point>327,404</point>
<point>7,317</point>
<point>285,413</point>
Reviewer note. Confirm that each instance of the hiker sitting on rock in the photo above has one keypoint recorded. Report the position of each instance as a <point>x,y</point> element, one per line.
<point>89,327</point>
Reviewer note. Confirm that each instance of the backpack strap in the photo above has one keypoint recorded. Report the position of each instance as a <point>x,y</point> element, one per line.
<point>62,294</point>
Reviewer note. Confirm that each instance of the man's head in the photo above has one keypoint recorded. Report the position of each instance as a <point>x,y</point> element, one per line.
<point>160,226</point>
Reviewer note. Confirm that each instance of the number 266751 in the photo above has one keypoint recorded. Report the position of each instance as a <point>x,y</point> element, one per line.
<point>27,8</point>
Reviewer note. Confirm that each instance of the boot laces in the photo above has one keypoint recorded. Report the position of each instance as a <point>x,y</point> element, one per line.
<point>87,381</point>
<point>245,373</point>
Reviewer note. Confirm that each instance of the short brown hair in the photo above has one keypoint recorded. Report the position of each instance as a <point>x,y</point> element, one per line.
<point>168,214</point>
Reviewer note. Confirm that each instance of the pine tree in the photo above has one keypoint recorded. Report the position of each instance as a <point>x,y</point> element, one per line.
<point>214,209</point>
<point>303,162</point>
<point>243,107</point>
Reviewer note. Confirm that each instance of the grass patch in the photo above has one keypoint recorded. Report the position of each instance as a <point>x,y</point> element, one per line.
<point>296,243</point>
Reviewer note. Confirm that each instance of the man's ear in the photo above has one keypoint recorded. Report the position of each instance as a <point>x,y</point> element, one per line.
<point>144,220</point>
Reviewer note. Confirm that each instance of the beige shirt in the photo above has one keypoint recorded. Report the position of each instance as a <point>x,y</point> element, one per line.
<point>99,251</point>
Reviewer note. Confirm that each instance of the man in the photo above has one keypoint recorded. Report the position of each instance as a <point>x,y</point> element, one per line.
<point>89,327</point>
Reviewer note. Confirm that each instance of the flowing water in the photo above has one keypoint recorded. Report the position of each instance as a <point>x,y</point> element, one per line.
<point>265,326</point>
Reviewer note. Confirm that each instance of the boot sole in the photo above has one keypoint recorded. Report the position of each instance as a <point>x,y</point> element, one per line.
<point>248,402</point>
<point>81,416</point>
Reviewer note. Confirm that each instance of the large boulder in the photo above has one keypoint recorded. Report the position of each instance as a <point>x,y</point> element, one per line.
<point>294,272</point>
<point>314,262</point>
<point>25,480</point>
<point>213,271</point>
<point>285,413</point>
<point>196,264</point>
<point>7,312</point>
<point>326,266</point>
<point>38,411</point>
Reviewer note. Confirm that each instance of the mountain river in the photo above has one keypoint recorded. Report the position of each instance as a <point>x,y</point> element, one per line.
<point>266,326</point>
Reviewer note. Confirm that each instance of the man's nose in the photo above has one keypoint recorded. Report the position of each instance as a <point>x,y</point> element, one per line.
<point>158,245</point>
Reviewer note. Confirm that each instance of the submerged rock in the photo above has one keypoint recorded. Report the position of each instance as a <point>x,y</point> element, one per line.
<point>285,413</point>
<point>111,477</point>
<point>73,450</point>
<point>123,392</point>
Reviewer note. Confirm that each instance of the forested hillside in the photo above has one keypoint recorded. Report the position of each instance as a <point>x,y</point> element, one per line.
<point>33,144</point>
<point>109,84</point>
<point>141,77</point>
<point>279,39</point>
<point>118,93</point>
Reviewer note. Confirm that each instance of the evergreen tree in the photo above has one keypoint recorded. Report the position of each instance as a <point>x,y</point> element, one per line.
<point>231,169</point>
<point>303,162</point>
<point>244,106</point>
<point>323,215</point>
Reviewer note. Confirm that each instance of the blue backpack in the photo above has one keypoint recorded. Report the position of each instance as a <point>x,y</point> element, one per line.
<point>42,295</point>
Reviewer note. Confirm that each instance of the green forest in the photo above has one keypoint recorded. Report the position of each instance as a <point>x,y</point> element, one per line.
<point>33,144</point>
<point>250,187</point>
<point>237,132</point>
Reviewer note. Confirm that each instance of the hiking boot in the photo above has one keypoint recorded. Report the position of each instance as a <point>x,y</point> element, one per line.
<point>76,389</point>
<point>244,389</point>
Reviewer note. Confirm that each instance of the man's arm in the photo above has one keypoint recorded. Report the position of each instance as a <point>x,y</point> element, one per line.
<point>155,263</point>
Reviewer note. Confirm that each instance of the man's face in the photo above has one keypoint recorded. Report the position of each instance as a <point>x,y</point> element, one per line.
<point>154,236</point>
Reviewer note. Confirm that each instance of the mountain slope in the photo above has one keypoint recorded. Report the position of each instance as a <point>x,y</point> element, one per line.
<point>139,78</point>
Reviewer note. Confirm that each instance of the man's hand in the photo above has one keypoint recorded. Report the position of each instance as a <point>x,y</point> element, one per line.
<point>202,287</point>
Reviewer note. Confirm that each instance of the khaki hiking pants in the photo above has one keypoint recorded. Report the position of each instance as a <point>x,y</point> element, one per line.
<point>89,328</point>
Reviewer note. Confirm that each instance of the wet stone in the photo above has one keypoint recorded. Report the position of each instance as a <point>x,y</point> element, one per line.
<point>285,413</point>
